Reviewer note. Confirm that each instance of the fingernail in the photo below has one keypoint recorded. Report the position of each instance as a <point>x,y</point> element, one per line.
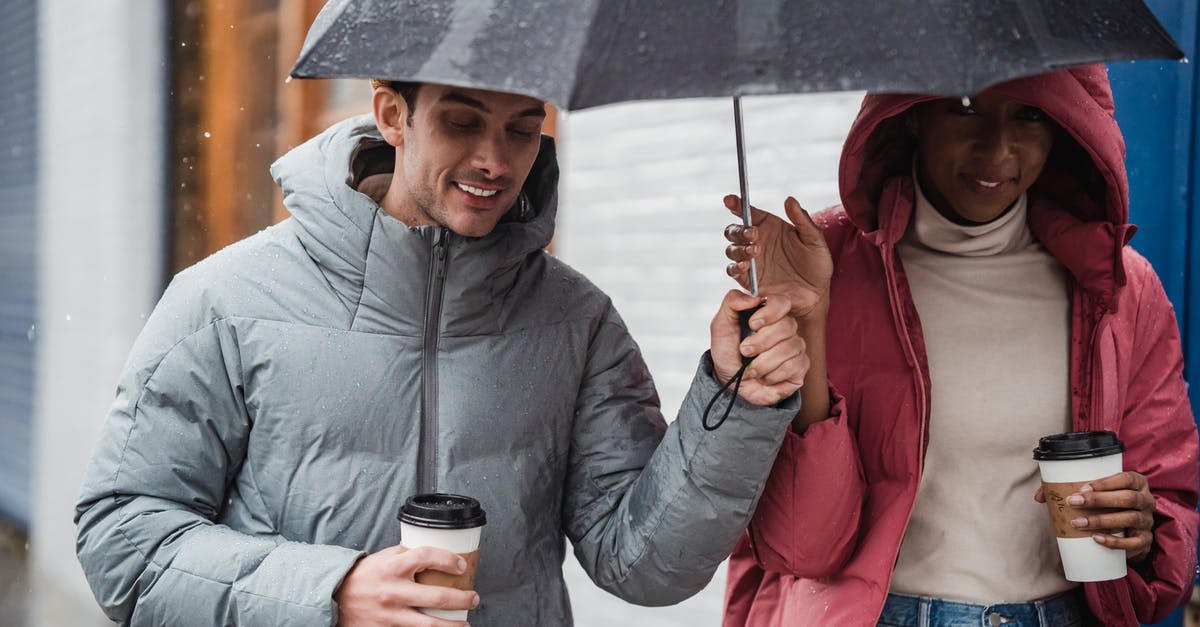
<point>1075,499</point>
<point>475,602</point>
<point>752,373</point>
<point>756,324</point>
<point>1101,539</point>
<point>1086,488</point>
<point>462,565</point>
<point>1079,522</point>
<point>747,350</point>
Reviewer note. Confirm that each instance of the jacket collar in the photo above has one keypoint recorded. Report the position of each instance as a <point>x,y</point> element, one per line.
<point>379,266</point>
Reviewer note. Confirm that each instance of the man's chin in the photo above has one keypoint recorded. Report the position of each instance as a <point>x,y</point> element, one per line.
<point>472,228</point>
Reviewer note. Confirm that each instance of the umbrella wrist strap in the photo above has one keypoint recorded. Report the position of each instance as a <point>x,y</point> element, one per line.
<point>736,382</point>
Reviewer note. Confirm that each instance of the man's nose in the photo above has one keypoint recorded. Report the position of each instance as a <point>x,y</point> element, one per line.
<point>492,155</point>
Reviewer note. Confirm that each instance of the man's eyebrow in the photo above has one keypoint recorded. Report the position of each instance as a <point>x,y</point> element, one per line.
<point>463,99</point>
<point>538,111</point>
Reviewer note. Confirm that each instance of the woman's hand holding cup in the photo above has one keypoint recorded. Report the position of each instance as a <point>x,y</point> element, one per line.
<point>1127,495</point>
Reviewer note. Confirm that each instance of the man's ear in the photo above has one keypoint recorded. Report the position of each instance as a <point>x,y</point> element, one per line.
<point>391,114</point>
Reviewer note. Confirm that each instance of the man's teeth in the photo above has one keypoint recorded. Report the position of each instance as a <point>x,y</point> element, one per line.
<point>476,191</point>
<point>988,183</point>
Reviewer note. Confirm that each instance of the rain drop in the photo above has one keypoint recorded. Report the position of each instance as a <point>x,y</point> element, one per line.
<point>31,332</point>
<point>68,317</point>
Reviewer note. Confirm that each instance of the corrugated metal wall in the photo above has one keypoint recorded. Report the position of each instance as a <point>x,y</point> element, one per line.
<point>18,250</point>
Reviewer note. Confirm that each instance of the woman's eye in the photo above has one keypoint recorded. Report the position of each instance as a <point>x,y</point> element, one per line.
<point>1032,114</point>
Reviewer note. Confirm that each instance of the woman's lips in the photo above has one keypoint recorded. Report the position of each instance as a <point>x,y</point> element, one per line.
<point>989,184</point>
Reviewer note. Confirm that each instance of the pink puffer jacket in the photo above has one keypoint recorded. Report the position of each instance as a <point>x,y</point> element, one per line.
<point>824,540</point>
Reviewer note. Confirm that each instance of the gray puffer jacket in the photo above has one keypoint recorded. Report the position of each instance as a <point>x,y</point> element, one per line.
<point>291,390</point>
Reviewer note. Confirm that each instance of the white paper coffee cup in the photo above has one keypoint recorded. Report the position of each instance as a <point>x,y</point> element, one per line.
<point>450,522</point>
<point>1068,461</point>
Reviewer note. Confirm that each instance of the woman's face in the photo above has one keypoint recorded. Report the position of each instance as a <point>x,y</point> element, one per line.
<point>975,160</point>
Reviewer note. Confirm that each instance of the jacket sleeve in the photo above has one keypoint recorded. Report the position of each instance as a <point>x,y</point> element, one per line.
<point>173,442</point>
<point>652,515</point>
<point>1161,443</point>
<point>807,521</point>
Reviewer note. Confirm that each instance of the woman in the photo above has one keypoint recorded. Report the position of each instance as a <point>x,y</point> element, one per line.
<point>973,293</point>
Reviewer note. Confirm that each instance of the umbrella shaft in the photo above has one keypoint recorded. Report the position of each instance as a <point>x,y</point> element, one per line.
<point>743,185</point>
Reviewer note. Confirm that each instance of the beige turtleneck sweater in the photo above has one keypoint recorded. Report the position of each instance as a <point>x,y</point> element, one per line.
<point>995,311</point>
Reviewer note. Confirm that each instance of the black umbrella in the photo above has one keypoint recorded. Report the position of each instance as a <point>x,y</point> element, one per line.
<point>584,53</point>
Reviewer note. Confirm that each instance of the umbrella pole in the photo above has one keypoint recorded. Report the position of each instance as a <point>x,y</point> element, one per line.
<point>741,156</point>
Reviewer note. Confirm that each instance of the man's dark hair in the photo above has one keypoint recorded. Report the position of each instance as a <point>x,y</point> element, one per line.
<point>406,89</point>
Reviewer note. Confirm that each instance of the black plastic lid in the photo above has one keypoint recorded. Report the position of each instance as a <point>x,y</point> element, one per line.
<point>1077,445</point>
<point>442,511</point>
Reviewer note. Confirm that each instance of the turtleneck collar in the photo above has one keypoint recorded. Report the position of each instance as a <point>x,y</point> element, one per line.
<point>931,229</point>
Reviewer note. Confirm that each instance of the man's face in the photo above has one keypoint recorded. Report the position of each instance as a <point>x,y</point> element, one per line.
<point>975,161</point>
<point>464,157</point>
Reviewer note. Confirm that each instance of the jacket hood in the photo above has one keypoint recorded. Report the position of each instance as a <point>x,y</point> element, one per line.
<point>319,179</point>
<point>1079,206</point>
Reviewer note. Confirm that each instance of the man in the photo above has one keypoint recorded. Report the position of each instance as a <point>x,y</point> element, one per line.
<point>405,332</point>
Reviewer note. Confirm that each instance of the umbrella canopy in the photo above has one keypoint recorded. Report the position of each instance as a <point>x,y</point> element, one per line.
<point>584,53</point>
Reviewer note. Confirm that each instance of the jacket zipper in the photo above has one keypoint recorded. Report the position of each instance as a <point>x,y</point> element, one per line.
<point>910,351</point>
<point>889,262</point>
<point>427,468</point>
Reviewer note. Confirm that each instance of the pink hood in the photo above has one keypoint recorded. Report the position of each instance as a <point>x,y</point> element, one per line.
<point>1083,194</point>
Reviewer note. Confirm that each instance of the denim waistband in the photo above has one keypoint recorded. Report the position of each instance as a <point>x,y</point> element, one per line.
<point>1060,610</point>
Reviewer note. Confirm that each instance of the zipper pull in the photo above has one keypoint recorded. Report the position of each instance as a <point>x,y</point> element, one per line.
<point>439,251</point>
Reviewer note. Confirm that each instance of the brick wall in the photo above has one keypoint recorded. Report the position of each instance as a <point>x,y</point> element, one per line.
<point>641,215</point>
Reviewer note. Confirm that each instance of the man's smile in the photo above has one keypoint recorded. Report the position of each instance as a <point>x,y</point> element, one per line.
<point>476,191</point>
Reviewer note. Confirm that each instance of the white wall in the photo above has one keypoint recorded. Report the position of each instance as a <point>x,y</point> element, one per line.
<point>101,207</point>
<point>642,217</point>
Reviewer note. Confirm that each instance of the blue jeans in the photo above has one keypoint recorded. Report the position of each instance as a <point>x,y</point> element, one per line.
<point>1062,610</point>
